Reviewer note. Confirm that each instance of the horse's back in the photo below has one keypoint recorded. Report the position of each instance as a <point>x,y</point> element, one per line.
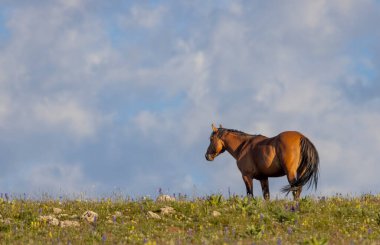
<point>289,137</point>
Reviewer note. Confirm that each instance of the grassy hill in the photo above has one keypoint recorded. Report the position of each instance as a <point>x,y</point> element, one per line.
<point>212,219</point>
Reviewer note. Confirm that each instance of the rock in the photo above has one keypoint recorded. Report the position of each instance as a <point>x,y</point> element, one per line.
<point>167,210</point>
<point>216,213</point>
<point>165,198</point>
<point>118,214</point>
<point>69,223</point>
<point>90,216</point>
<point>153,215</point>
<point>57,210</point>
<point>7,221</point>
<point>50,219</point>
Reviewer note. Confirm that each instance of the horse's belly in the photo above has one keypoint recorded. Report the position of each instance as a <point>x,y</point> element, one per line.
<point>268,165</point>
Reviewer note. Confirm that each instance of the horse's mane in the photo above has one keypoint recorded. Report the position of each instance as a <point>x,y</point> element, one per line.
<point>236,132</point>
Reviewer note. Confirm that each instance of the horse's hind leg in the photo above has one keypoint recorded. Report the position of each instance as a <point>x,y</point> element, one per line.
<point>265,187</point>
<point>297,193</point>
<point>248,185</point>
<point>292,176</point>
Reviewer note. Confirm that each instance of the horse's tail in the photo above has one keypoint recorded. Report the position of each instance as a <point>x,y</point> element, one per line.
<point>308,169</point>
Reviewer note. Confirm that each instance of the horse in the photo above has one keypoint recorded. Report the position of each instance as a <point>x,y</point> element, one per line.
<point>258,157</point>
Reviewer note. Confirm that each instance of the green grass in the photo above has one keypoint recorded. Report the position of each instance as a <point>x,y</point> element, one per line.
<point>334,220</point>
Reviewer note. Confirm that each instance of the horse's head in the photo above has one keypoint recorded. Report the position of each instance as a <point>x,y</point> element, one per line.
<point>216,146</point>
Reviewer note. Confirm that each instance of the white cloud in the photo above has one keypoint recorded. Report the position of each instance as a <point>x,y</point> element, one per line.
<point>142,16</point>
<point>57,178</point>
<point>4,108</point>
<point>68,115</point>
<point>174,68</point>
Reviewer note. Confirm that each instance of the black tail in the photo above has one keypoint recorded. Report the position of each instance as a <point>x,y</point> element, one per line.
<point>307,172</point>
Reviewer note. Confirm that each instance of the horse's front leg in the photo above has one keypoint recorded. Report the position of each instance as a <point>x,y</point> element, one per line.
<point>265,188</point>
<point>248,185</point>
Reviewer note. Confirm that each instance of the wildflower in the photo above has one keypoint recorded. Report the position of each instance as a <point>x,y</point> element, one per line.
<point>279,241</point>
<point>290,231</point>
<point>369,231</point>
<point>104,238</point>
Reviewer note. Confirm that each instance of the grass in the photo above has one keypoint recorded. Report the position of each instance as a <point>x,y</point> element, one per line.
<point>333,220</point>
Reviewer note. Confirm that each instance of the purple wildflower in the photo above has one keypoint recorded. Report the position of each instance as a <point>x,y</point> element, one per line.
<point>279,241</point>
<point>226,230</point>
<point>290,231</point>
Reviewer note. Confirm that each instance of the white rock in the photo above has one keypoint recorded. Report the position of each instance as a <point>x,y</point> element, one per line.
<point>167,210</point>
<point>90,216</point>
<point>216,213</point>
<point>165,198</point>
<point>50,219</point>
<point>57,210</point>
<point>153,215</point>
<point>69,223</point>
<point>118,214</point>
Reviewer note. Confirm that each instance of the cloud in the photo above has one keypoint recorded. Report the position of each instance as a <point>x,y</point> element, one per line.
<point>139,85</point>
<point>66,114</point>
<point>145,17</point>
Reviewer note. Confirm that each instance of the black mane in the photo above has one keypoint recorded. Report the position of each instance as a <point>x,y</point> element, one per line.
<point>236,131</point>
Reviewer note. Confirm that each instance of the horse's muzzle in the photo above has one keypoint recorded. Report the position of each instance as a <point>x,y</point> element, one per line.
<point>209,157</point>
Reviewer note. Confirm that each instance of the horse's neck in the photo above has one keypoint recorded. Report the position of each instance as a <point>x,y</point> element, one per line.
<point>234,143</point>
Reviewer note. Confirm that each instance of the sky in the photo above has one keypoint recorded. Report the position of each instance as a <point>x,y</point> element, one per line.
<point>100,97</point>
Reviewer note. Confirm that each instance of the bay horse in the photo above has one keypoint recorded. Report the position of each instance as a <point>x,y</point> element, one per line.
<point>258,157</point>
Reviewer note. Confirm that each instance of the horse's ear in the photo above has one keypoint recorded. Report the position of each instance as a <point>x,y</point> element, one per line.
<point>220,126</point>
<point>214,128</point>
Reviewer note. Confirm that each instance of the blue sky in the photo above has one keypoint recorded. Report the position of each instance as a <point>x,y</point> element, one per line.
<point>98,96</point>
